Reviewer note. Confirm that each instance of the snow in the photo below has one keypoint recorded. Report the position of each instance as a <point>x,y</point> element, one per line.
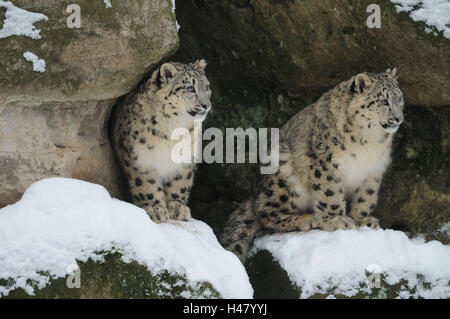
<point>38,64</point>
<point>108,3</point>
<point>445,229</point>
<point>320,261</point>
<point>173,10</point>
<point>20,22</point>
<point>435,13</point>
<point>59,221</point>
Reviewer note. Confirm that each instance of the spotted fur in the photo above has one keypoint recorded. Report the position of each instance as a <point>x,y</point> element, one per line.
<point>175,96</point>
<point>332,156</point>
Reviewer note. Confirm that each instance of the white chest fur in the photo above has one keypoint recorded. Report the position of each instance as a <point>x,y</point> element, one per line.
<point>361,161</point>
<point>159,158</point>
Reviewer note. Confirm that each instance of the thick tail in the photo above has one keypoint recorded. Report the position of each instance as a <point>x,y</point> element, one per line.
<point>240,230</point>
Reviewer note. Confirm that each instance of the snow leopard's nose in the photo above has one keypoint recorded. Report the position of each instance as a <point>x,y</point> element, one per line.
<point>398,119</point>
<point>205,106</point>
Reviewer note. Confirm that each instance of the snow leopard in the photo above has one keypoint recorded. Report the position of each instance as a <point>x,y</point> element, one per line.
<point>333,154</point>
<point>174,97</point>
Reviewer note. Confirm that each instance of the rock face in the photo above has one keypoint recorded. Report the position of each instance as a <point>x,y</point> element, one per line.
<point>415,194</point>
<point>307,47</point>
<point>55,123</point>
<point>269,59</point>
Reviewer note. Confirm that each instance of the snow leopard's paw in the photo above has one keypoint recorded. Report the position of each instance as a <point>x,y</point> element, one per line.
<point>370,222</point>
<point>179,211</point>
<point>158,214</point>
<point>338,222</point>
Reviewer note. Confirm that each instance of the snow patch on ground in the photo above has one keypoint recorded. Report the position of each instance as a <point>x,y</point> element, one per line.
<point>319,261</point>
<point>108,3</point>
<point>38,64</point>
<point>173,10</point>
<point>20,22</point>
<point>435,13</point>
<point>59,221</point>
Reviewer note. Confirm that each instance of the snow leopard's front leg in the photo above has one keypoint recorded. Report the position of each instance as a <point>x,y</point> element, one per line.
<point>147,192</point>
<point>328,195</point>
<point>364,201</point>
<point>177,194</point>
<point>277,205</point>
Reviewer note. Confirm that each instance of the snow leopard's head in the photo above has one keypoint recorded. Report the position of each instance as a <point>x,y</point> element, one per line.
<point>379,98</point>
<point>184,89</point>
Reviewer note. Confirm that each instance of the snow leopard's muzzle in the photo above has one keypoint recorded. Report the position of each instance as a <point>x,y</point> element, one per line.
<point>392,124</point>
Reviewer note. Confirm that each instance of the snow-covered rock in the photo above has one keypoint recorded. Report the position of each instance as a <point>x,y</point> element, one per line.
<point>435,13</point>
<point>20,22</point>
<point>341,263</point>
<point>61,222</point>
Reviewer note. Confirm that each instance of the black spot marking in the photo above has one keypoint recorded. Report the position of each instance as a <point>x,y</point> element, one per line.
<point>138,181</point>
<point>175,196</point>
<point>282,183</point>
<point>334,207</point>
<point>361,200</point>
<point>316,187</point>
<point>284,198</point>
<point>268,192</point>
<point>370,191</point>
<point>317,173</point>
<point>329,193</point>
<point>150,196</point>
<point>323,204</point>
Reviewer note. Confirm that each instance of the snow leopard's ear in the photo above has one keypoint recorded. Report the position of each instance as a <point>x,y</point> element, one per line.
<point>361,82</point>
<point>201,64</point>
<point>392,72</point>
<point>166,72</point>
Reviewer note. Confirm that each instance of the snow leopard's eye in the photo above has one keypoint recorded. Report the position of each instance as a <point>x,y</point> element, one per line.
<point>191,89</point>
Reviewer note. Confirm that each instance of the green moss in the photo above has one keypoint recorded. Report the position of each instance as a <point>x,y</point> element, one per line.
<point>114,278</point>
